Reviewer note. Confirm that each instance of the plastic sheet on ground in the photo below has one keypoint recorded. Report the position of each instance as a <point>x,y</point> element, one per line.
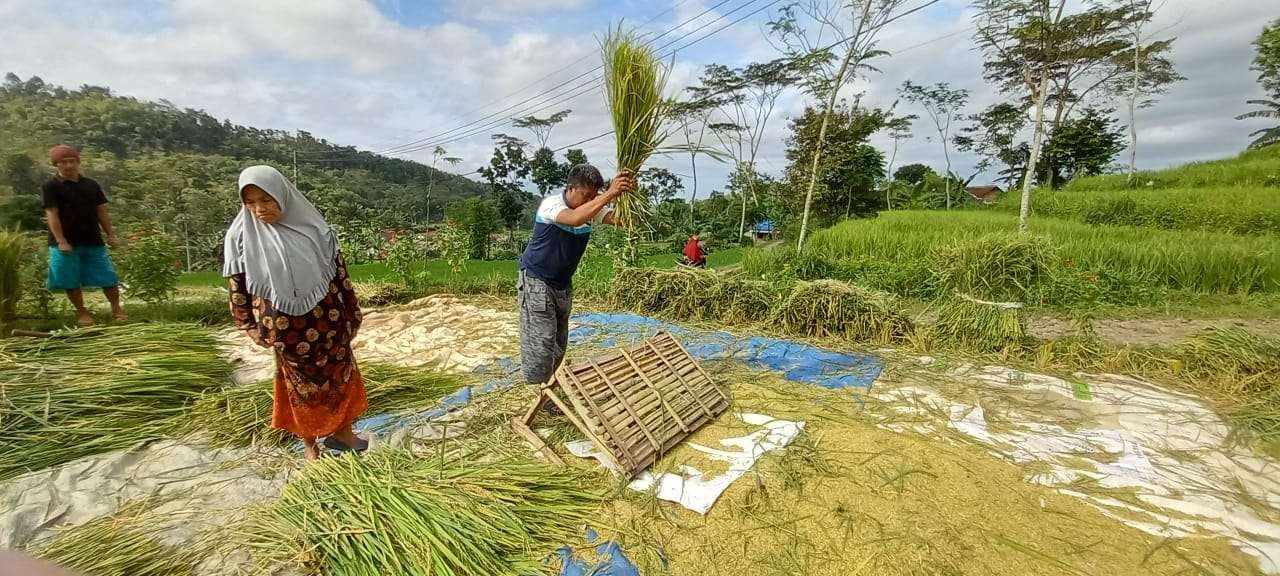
<point>611,561</point>
<point>797,361</point>
<point>690,488</point>
<point>1157,460</point>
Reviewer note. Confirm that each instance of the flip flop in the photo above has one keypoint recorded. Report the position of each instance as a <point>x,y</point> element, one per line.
<point>337,445</point>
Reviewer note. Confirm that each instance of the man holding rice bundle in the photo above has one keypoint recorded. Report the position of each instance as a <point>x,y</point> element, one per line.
<point>76,210</point>
<point>544,289</point>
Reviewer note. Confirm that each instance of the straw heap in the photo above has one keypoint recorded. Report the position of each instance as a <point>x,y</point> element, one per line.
<point>118,545</point>
<point>834,308</point>
<point>977,325</point>
<point>393,513</point>
<point>100,390</point>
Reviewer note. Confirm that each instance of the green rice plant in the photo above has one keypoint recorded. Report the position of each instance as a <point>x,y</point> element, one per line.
<point>117,545</point>
<point>1184,260</point>
<point>99,390</point>
<point>999,266</point>
<point>12,247</point>
<point>1260,167</point>
<point>972,325</point>
<point>634,81</point>
<point>1253,210</point>
<point>391,512</point>
<point>833,308</point>
<point>241,415</point>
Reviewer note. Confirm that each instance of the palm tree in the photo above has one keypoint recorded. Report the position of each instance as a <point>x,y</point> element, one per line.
<point>1266,136</point>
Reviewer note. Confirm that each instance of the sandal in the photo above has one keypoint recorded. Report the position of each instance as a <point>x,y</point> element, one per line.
<point>85,321</point>
<point>337,445</point>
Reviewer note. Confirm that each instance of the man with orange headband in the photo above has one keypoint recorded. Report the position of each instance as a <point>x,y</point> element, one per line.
<point>76,209</point>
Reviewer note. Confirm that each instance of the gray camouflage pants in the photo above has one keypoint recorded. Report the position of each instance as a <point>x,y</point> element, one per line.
<point>544,327</point>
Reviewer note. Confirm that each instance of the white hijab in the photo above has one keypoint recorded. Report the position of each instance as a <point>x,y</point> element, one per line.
<point>289,263</point>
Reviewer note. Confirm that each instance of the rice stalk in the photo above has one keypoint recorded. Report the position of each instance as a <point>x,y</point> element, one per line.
<point>977,326</point>
<point>391,512</point>
<point>100,390</point>
<point>832,308</point>
<point>634,80</point>
<point>237,416</point>
<point>12,246</point>
<point>117,545</point>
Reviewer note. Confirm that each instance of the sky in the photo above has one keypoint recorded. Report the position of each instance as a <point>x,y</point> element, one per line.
<point>408,75</point>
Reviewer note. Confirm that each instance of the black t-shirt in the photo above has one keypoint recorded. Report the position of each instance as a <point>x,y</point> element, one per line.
<point>77,203</point>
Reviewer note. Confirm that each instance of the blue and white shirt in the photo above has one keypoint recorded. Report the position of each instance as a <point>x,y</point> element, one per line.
<point>555,249</point>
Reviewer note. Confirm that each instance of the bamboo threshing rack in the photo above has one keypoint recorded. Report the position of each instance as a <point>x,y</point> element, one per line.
<point>635,404</point>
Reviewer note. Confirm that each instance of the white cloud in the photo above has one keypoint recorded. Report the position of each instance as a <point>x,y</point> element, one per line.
<point>498,10</point>
<point>346,71</point>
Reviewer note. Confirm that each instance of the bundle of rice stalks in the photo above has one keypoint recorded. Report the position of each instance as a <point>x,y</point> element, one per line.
<point>678,293</point>
<point>12,245</point>
<point>1000,266</point>
<point>118,545</point>
<point>833,308</point>
<point>741,301</point>
<point>241,415</point>
<point>634,80</point>
<point>979,326</point>
<point>100,390</point>
<point>391,512</point>
<point>377,293</point>
<point>1245,363</point>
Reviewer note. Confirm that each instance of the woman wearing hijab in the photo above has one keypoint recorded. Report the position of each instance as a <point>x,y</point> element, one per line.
<point>290,291</point>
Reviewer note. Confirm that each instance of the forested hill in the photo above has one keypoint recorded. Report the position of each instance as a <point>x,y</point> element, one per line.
<point>178,167</point>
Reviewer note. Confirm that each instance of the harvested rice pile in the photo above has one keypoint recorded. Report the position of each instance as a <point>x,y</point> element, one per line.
<point>392,512</point>
<point>100,390</point>
<point>241,415</point>
<point>850,497</point>
<point>119,545</point>
<point>977,326</point>
<point>692,294</point>
<point>833,308</point>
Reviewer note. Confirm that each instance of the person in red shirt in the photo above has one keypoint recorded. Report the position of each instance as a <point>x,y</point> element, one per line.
<point>694,254</point>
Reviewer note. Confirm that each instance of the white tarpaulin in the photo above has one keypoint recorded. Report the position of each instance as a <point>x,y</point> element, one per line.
<point>691,488</point>
<point>1187,473</point>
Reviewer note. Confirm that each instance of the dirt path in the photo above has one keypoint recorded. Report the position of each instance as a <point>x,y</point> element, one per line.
<point>1152,331</point>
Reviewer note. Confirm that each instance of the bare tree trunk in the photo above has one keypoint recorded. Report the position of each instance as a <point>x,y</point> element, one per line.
<point>742,222</point>
<point>888,189</point>
<point>1133,105</point>
<point>693,195</point>
<point>822,135</point>
<point>947,157</point>
<point>1024,213</point>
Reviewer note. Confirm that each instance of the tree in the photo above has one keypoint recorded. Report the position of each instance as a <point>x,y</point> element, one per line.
<point>1267,60</point>
<point>941,103</point>
<point>479,217</point>
<point>1267,64</point>
<point>992,137</point>
<point>693,117</point>
<point>1082,146</point>
<point>436,156</point>
<point>855,33</point>
<point>506,173</point>
<point>899,131</point>
<point>541,127</point>
<point>849,168</point>
<point>1265,136</point>
<point>659,184</point>
<point>547,173</point>
<point>913,173</point>
<point>1151,72</point>
<point>1017,41</point>
<point>20,174</point>
<point>575,156</point>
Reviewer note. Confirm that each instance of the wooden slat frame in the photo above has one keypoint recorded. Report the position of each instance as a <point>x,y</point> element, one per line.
<point>634,404</point>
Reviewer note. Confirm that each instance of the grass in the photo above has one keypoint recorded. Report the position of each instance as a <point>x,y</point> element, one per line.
<point>1253,168</point>
<point>1236,210</point>
<point>393,512</point>
<point>12,247</point>
<point>1193,261</point>
<point>241,415</point>
<point>99,390</point>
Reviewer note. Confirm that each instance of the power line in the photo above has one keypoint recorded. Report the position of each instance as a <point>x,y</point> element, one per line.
<point>591,85</point>
<point>419,144</point>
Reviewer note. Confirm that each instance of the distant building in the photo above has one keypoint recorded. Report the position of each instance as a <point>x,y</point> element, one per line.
<point>765,230</point>
<point>989,194</point>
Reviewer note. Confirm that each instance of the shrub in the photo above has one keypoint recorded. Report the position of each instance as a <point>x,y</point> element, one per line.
<point>149,267</point>
<point>455,246</point>
<point>13,248</point>
<point>405,258</point>
<point>34,276</point>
